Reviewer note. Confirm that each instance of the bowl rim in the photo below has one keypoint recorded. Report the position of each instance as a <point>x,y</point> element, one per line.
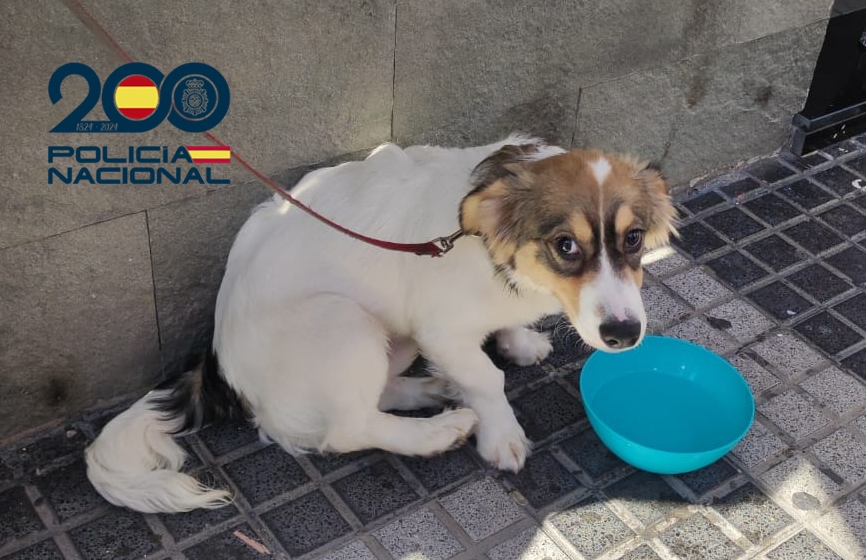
<point>593,413</point>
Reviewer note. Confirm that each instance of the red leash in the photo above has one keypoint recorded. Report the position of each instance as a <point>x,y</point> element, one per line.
<point>434,248</point>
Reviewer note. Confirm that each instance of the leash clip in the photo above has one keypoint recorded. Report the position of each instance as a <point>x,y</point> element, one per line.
<point>447,243</point>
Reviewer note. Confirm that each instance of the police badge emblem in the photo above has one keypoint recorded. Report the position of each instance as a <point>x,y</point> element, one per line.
<point>194,101</point>
<point>199,98</point>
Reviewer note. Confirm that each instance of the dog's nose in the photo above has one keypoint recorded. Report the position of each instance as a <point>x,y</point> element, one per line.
<point>620,334</point>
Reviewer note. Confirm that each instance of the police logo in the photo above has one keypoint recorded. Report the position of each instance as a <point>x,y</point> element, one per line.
<point>194,100</point>
<point>195,97</point>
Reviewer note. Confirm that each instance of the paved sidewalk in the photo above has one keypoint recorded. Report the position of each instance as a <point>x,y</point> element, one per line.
<point>770,272</point>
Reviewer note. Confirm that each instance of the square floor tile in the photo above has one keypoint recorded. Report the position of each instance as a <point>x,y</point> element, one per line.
<point>481,508</point>
<point>853,309</point>
<point>852,263</point>
<point>758,445</point>
<point>518,376</point>
<point>737,269</point>
<point>856,363</point>
<point>696,537</point>
<point>697,240</point>
<point>543,479</point>
<point>547,410</point>
<point>836,390</point>
<point>818,282</point>
<point>661,308</point>
<point>860,424</point>
<point>804,545</point>
<point>700,332</point>
<point>770,170</point>
<point>591,527</point>
<point>643,552</point>
<point>121,534</point>
<point>805,193</point>
<point>752,512</point>
<point>801,484</point>
<point>843,453</point>
<point>705,479</point>
<point>703,202</point>
<point>794,414</point>
<point>530,544</point>
<point>441,470</point>
<point>780,301</point>
<point>697,287</point>
<point>663,260</point>
<point>846,525</point>
<point>813,236</point>
<point>229,546</point>
<point>69,491</point>
<point>741,187</point>
<point>858,164</point>
<point>734,223</point>
<point>356,550</point>
<point>828,332</point>
<point>224,437</point>
<point>771,209</point>
<point>17,517</point>
<point>418,535</point>
<point>306,523</point>
<point>647,496</point>
<point>375,491</point>
<point>775,252</point>
<point>45,550</point>
<point>738,319</point>
<point>845,219</point>
<point>788,354</point>
<point>758,378</point>
<point>837,179</point>
<point>266,474</point>
<point>591,454</point>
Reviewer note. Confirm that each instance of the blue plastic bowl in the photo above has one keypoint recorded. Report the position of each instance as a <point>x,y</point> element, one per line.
<point>667,406</point>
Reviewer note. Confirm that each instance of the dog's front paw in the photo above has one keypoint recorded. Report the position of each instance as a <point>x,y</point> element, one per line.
<point>504,448</point>
<point>523,346</point>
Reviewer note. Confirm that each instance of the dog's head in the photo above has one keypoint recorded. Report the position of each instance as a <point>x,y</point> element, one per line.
<point>574,225</point>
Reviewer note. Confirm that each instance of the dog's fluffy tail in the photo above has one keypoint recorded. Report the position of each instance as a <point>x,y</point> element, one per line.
<point>135,460</point>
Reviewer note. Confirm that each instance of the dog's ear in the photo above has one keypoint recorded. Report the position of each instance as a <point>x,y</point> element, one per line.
<point>662,222</point>
<point>487,208</point>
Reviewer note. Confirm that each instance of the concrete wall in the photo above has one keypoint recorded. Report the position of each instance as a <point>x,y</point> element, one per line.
<point>105,289</point>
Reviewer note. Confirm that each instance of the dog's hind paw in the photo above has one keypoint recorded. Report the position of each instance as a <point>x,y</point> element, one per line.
<point>523,346</point>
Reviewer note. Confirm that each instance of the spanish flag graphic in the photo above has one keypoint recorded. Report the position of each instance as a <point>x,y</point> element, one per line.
<point>136,97</point>
<point>210,154</point>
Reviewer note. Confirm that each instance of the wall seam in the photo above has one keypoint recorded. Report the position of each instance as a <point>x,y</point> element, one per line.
<point>576,120</point>
<point>153,289</point>
<point>394,72</point>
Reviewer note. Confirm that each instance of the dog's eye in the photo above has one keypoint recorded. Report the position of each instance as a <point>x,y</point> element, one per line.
<point>567,248</point>
<point>633,240</point>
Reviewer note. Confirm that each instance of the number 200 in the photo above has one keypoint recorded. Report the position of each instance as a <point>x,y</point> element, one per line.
<point>166,107</point>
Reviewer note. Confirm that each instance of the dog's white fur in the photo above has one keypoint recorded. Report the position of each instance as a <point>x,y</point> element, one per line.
<point>313,328</point>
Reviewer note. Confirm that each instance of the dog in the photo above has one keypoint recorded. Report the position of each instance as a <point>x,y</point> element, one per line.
<point>313,328</point>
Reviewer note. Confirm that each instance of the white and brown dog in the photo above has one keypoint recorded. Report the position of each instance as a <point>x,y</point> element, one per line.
<point>313,328</point>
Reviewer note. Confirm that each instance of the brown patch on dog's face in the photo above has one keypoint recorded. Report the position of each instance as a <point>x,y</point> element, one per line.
<point>574,225</point>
